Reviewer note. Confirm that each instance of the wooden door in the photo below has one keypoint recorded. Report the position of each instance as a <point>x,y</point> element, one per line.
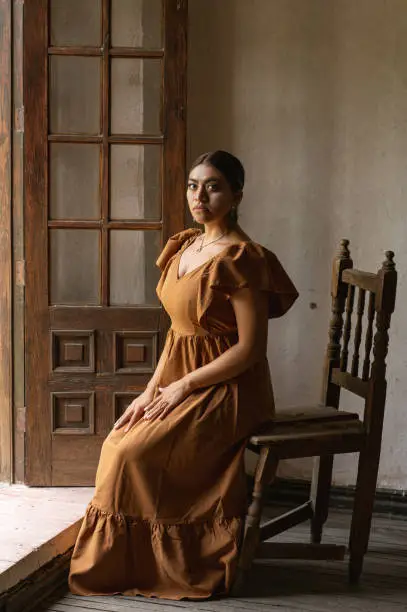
<point>104,87</point>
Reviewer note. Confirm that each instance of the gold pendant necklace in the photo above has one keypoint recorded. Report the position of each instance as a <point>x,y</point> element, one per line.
<point>199,249</point>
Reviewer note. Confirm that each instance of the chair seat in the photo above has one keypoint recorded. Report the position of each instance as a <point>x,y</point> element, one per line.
<point>312,428</point>
<point>307,414</point>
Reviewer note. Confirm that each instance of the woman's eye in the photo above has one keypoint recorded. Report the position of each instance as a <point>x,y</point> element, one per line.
<point>191,186</point>
<point>213,187</point>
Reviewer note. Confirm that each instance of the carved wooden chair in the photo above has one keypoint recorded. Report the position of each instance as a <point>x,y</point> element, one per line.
<point>324,431</point>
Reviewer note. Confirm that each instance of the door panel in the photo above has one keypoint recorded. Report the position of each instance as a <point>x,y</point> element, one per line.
<point>136,95</point>
<point>105,174</point>
<point>135,182</point>
<point>74,190</point>
<point>127,15</point>
<point>71,281</point>
<point>75,23</point>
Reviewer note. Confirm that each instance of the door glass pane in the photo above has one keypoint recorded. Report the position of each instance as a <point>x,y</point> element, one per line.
<point>133,273</point>
<point>137,23</point>
<point>136,96</point>
<point>75,266</point>
<point>135,173</point>
<point>75,23</point>
<point>74,94</point>
<point>74,181</point>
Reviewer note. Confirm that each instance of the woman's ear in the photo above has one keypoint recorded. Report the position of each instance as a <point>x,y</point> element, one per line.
<point>238,197</point>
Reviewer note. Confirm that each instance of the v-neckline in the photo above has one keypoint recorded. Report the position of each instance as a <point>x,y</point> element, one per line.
<point>187,244</point>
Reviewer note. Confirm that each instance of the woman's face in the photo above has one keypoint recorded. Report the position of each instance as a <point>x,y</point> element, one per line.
<point>209,195</point>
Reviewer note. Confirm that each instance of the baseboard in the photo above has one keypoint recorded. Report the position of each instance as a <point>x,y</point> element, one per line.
<point>30,593</point>
<point>294,492</point>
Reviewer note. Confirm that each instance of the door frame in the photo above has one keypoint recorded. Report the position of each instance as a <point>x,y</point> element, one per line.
<point>6,408</point>
<point>12,412</point>
<point>38,457</point>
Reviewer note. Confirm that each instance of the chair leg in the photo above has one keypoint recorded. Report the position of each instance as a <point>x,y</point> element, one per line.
<point>362,512</point>
<point>320,492</point>
<point>265,473</point>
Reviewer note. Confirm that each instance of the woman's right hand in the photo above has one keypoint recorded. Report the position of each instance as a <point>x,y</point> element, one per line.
<point>135,411</point>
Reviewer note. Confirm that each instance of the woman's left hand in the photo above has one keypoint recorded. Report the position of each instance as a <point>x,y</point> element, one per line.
<point>168,399</point>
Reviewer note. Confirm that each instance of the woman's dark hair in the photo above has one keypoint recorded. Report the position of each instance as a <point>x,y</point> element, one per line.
<point>231,168</point>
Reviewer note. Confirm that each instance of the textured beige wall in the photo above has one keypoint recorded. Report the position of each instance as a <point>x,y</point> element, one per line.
<point>312,96</point>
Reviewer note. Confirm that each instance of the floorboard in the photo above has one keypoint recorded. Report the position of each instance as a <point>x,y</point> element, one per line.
<point>36,524</point>
<point>294,586</point>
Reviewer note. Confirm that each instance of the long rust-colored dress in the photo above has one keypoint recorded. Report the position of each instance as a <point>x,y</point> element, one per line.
<point>170,496</point>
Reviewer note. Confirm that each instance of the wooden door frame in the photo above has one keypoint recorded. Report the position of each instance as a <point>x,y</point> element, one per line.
<point>38,463</point>
<point>11,244</point>
<point>6,420</point>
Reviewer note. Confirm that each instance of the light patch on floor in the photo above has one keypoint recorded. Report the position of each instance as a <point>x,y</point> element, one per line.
<point>36,524</point>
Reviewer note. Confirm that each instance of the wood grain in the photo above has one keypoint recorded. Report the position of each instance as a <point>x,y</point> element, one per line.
<point>18,247</point>
<point>5,243</point>
<point>351,383</point>
<point>174,115</point>
<point>365,280</point>
<point>104,177</point>
<point>38,435</point>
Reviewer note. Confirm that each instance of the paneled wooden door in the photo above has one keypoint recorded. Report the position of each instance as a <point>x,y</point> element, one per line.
<point>105,97</point>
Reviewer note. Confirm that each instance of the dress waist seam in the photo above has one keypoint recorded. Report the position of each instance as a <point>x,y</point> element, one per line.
<point>198,335</point>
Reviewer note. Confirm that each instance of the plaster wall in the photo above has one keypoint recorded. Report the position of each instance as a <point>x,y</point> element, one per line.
<point>312,96</point>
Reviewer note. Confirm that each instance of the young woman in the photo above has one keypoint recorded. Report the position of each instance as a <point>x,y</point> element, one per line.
<point>170,495</point>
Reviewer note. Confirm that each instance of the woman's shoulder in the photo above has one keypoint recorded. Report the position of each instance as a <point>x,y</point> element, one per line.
<point>250,264</point>
<point>181,237</point>
<point>173,245</point>
<point>248,250</point>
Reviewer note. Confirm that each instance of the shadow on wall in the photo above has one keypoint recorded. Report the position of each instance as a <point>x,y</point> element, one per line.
<point>303,51</point>
<point>262,79</point>
<point>311,95</point>
<point>211,67</point>
<point>262,84</point>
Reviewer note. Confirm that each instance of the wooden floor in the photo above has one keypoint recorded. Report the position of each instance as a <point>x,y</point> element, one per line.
<point>36,524</point>
<point>288,586</point>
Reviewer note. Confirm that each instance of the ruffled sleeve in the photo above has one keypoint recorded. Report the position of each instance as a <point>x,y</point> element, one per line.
<point>173,245</point>
<point>252,265</point>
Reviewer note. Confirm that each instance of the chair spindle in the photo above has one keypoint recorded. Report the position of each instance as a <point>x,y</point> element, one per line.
<point>347,328</point>
<point>369,336</point>
<point>358,331</point>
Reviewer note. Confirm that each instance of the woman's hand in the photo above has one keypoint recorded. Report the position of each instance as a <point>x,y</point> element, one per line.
<point>135,411</point>
<point>168,399</point>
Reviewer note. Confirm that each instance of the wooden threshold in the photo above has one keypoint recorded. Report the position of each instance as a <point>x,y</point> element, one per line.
<point>37,525</point>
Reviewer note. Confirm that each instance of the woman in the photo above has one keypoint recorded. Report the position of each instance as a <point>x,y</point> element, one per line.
<point>170,494</point>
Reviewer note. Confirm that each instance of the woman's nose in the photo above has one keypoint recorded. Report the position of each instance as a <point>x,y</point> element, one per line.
<point>201,194</point>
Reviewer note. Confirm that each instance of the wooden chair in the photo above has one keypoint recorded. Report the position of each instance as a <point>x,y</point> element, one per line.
<point>325,430</point>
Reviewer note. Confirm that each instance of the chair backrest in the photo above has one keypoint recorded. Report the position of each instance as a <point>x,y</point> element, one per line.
<point>364,375</point>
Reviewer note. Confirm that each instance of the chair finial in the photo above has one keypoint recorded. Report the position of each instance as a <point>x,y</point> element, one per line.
<point>388,263</point>
<point>344,252</point>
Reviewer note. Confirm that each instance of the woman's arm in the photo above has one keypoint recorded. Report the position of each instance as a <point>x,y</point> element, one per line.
<point>252,324</point>
<point>158,369</point>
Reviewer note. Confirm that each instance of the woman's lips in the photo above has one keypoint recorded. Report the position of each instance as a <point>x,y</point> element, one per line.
<point>199,208</point>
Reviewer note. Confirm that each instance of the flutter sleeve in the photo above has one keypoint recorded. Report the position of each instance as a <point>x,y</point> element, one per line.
<point>173,245</point>
<point>252,265</point>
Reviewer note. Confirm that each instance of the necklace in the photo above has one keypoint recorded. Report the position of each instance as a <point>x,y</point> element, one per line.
<point>202,246</point>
